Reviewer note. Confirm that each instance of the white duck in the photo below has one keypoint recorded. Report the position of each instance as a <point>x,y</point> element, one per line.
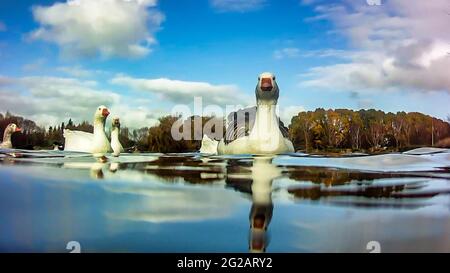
<point>262,132</point>
<point>96,143</point>
<point>9,130</point>
<point>115,132</point>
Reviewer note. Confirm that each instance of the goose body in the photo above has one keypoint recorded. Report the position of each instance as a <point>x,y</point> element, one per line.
<point>96,143</point>
<point>255,130</point>
<point>9,131</point>
<point>115,142</point>
<point>209,146</point>
<point>267,135</point>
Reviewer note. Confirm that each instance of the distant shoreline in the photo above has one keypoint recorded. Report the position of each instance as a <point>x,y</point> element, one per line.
<point>323,132</point>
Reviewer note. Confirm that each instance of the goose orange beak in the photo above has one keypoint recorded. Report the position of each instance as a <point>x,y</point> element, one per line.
<point>18,129</point>
<point>105,112</point>
<point>266,84</point>
<point>259,221</point>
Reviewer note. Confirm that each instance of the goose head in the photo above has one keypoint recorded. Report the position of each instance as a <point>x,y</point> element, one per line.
<point>115,123</point>
<point>101,113</point>
<point>11,129</point>
<point>267,89</point>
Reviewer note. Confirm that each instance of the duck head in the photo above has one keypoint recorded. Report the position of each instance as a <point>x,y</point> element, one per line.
<point>101,113</point>
<point>267,89</point>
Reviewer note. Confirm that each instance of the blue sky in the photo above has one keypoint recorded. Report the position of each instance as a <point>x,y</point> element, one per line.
<point>61,59</point>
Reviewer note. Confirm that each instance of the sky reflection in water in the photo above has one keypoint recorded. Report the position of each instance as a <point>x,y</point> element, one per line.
<point>190,202</point>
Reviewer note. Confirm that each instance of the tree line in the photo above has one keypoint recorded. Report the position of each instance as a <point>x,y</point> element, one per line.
<point>319,130</point>
<point>368,130</point>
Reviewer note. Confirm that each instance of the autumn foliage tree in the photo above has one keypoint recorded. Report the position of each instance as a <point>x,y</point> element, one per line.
<point>365,129</point>
<point>160,138</point>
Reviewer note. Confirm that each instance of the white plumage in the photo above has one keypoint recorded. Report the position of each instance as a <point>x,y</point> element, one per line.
<point>209,146</point>
<point>96,143</point>
<point>9,130</point>
<point>255,130</point>
<point>115,133</point>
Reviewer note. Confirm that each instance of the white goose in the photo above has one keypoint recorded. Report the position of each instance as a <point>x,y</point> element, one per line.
<point>255,130</point>
<point>115,132</point>
<point>9,130</point>
<point>96,143</point>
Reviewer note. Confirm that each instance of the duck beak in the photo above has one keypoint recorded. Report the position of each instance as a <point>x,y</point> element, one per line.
<point>266,84</point>
<point>105,112</point>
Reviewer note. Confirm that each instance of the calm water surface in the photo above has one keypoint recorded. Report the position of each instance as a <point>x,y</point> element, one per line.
<point>198,203</point>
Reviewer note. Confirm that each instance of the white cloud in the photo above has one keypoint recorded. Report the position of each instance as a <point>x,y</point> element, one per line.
<point>288,52</point>
<point>399,45</point>
<point>79,72</point>
<point>329,53</point>
<point>51,100</point>
<point>237,5</point>
<point>103,27</point>
<point>287,113</point>
<point>184,91</point>
<point>4,81</point>
<point>161,205</point>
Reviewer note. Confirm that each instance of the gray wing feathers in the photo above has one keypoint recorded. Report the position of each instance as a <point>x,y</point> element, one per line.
<point>240,123</point>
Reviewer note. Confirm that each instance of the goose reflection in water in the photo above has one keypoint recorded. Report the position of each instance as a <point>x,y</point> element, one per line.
<point>263,172</point>
<point>96,171</point>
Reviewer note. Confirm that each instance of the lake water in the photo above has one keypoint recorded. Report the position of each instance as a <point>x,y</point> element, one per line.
<point>199,203</point>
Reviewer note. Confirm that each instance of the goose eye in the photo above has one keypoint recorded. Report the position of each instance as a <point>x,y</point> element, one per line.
<point>273,78</point>
<point>259,78</point>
